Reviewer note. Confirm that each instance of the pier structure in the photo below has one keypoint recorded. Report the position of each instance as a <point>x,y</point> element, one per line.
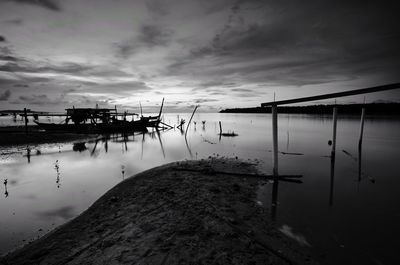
<point>274,110</point>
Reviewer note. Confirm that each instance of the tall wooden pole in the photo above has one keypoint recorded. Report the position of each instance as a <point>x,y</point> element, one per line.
<point>361,127</point>
<point>275,137</point>
<point>334,130</point>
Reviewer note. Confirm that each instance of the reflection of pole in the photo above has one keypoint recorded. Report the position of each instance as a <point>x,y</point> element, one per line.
<point>220,131</point>
<point>275,138</point>
<point>26,121</point>
<point>332,179</point>
<point>334,130</point>
<point>161,144</point>
<point>188,148</point>
<point>274,205</point>
<point>5,187</point>
<point>361,127</point>
<point>141,155</point>
<point>106,144</point>
<point>28,153</point>
<point>359,161</point>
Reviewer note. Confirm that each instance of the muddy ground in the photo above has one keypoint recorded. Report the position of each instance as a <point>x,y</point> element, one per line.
<point>187,212</point>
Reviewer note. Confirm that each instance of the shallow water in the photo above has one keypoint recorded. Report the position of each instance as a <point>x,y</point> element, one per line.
<point>344,217</point>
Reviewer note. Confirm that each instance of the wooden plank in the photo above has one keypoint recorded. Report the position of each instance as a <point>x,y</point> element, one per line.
<point>334,95</point>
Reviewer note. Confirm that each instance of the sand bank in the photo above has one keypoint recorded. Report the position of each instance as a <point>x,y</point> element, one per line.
<point>180,213</point>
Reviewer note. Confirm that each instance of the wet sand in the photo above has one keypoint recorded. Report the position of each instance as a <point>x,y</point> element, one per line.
<point>188,212</point>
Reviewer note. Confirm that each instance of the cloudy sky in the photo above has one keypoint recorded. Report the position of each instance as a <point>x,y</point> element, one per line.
<point>216,53</point>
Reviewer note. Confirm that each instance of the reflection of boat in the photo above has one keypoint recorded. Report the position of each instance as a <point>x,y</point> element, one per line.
<point>79,147</point>
<point>64,127</point>
<point>95,120</point>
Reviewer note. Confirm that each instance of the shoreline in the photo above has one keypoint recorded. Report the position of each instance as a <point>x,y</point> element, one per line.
<point>186,212</point>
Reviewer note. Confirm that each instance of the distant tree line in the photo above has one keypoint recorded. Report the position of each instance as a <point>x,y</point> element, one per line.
<point>371,109</point>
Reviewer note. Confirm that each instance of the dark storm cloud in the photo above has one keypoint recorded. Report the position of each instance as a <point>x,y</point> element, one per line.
<point>16,21</point>
<point>216,83</point>
<point>301,43</point>
<point>2,38</point>
<point>204,100</point>
<point>149,36</point>
<point>21,85</point>
<point>158,7</point>
<point>155,35</point>
<point>7,58</point>
<point>6,54</point>
<point>21,65</point>
<point>5,95</point>
<point>34,67</point>
<point>118,88</point>
<point>241,90</point>
<point>48,4</point>
<point>34,99</point>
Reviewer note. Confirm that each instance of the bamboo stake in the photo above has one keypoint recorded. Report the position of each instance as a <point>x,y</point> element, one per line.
<point>187,127</point>
<point>275,137</point>
<point>334,130</point>
<point>361,127</point>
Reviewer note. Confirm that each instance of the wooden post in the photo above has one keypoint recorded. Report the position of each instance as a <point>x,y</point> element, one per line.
<point>220,128</point>
<point>361,127</point>
<point>187,127</point>
<point>26,121</point>
<point>275,137</point>
<point>334,130</point>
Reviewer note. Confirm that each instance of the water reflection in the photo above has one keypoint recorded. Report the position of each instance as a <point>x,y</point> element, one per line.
<point>274,201</point>
<point>305,207</point>
<point>123,171</point>
<point>65,213</point>
<point>79,147</point>
<point>28,154</point>
<point>161,144</point>
<point>57,169</point>
<point>332,178</point>
<point>94,152</point>
<point>5,188</point>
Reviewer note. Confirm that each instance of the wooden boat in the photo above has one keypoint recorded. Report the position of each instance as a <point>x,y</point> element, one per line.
<point>65,127</point>
<point>96,120</point>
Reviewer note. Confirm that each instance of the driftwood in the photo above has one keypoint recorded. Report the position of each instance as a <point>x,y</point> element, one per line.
<point>228,134</point>
<point>287,178</point>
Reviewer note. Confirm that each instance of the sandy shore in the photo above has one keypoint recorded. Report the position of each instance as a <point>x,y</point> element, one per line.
<point>181,213</point>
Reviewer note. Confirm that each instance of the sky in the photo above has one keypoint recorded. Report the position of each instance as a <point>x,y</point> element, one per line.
<point>213,53</point>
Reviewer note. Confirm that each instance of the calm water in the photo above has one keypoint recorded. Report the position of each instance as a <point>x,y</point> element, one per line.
<point>340,214</point>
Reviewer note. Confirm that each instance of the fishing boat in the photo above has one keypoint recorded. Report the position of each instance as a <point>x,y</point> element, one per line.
<point>99,120</point>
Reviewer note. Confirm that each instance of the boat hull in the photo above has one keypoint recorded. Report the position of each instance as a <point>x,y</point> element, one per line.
<point>91,128</point>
